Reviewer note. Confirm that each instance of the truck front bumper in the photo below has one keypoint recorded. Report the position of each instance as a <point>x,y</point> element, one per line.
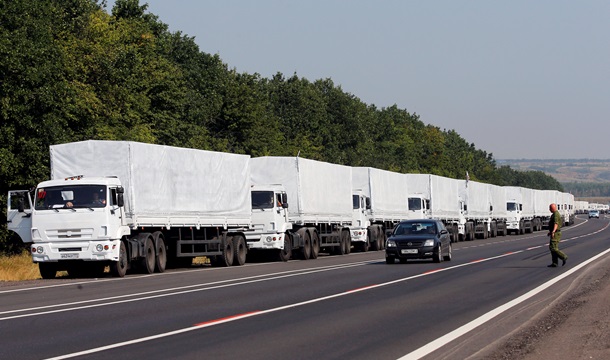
<point>76,250</point>
<point>266,242</point>
<point>359,235</point>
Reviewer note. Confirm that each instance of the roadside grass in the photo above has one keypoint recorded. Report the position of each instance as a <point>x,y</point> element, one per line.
<point>18,267</point>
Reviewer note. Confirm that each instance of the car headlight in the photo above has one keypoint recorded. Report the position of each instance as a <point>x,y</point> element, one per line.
<point>391,243</point>
<point>429,242</point>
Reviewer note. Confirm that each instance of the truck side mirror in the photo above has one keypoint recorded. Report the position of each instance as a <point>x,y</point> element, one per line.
<point>20,206</point>
<point>368,203</point>
<point>285,201</point>
<point>120,200</point>
<point>285,205</point>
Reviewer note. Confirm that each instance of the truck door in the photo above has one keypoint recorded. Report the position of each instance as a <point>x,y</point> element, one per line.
<point>19,214</point>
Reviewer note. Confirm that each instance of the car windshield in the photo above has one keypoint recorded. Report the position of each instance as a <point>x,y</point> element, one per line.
<point>416,228</point>
<point>71,196</point>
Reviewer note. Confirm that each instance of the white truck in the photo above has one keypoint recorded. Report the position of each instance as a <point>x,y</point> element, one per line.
<point>438,197</point>
<point>380,201</point>
<point>520,209</point>
<point>155,204</point>
<point>316,210</point>
<point>499,215</point>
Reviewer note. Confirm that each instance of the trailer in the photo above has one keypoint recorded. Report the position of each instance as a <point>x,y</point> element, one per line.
<point>157,205</point>
<point>317,200</point>
<point>380,201</point>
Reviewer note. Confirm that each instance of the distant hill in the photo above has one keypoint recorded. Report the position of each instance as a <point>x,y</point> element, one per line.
<point>587,179</point>
<point>565,170</point>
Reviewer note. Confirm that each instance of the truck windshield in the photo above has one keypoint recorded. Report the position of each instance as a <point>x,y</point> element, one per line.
<point>71,196</point>
<point>262,199</point>
<point>414,204</point>
<point>511,206</point>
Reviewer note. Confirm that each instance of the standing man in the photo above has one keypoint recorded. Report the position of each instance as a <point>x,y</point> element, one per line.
<point>555,236</point>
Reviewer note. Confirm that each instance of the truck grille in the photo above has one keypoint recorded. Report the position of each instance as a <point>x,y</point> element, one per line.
<point>70,234</point>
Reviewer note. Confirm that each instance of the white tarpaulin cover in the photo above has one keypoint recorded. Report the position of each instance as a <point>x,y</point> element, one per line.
<point>498,201</point>
<point>477,198</point>
<point>317,191</point>
<point>163,181</point>
<point>441,191</point>
<point>387,190</point>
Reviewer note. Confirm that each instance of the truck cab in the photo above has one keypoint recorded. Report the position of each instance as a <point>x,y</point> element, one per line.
<point>514,216</point>
<point>71,219</point>
<point>361,219</point>
<point>419,207</point>
<point>270,223</point>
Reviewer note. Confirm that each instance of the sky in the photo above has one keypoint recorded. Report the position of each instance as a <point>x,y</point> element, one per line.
<point>521,79</point>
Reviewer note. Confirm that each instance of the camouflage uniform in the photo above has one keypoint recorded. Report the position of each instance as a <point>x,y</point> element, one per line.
<point>554,242</point>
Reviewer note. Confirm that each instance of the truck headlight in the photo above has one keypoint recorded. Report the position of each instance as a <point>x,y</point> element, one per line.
<point>99,247</point>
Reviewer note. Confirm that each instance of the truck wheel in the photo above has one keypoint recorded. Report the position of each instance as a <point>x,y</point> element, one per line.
<point>346,242</point>
<point>226,259</point>
<point>382,239</point>
<point>160,255</point>
<point>374,239</point>
<point>119,268</point>
<point>315,245</point>
<point>47,270</point>
<point>306,249</point>
<point>286,252</point>
<point>240,250</point>
<point>147,262</point>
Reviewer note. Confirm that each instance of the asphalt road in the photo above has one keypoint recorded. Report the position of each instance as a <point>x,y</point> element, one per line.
<point>335,307</point>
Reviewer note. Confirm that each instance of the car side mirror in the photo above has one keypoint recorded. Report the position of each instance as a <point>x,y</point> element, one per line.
<point>443,232</point>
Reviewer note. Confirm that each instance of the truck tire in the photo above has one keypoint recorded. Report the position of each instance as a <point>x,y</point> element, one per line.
<point>380,238</point>
<point>147,261</point>
<point>226,246</point>
<point>315,245</point>
<point>286,252</point>
<point>374,238</point>
<point>160,253</point>
<point>47,270</point>
<point>240,250</point>
<point>119,268</point>
<point>306,248</point>
<point>346,242</point>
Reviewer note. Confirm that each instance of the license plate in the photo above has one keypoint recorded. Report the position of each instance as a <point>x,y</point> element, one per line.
<point>69,256</point>
<point>408,251</point>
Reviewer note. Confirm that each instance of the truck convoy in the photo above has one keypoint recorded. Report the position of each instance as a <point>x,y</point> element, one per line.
<point>129,205</point>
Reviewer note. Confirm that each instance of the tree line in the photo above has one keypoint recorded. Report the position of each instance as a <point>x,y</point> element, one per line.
<point>71,70</point>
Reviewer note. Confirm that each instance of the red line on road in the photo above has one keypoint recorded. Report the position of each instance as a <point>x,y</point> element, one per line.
<point>225,319</point>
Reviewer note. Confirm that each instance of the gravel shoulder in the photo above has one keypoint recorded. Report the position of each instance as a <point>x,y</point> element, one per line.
<point>574,326</point>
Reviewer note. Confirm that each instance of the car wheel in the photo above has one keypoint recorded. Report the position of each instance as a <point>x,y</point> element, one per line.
<point>438,255</point>
<point>448,256</point>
